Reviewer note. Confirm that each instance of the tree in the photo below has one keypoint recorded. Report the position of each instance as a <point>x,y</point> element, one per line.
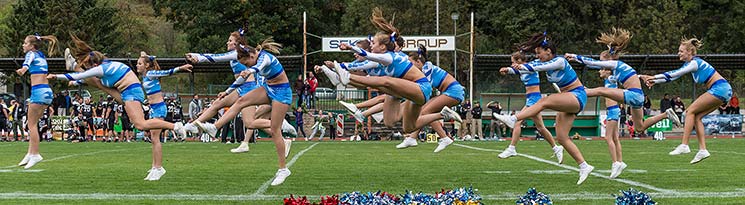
<point>91,21</point>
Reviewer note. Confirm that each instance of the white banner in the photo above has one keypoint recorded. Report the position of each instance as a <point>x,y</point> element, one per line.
<point>433,43</point>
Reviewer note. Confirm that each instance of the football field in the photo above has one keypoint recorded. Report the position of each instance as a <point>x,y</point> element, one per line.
<point>199,173</point>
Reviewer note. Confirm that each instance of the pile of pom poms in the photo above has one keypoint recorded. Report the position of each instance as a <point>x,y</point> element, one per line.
<point>533,197</point>
<point>460,196</point>
<point>633,197</point>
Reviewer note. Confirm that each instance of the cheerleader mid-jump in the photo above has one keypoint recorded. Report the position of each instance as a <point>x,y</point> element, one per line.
<point>532,94</point>
<point>151,73</point>
<point>570,101</point>
<point>35,64</point>
<point>720,91</point>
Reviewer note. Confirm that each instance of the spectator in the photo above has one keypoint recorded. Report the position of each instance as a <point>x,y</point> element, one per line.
<point>665,103</point>
<point>679,107</point>
<point>306,95</point>
<point>319,119</point>
<point>195,106</point>
<point>495,126</point>
<point>647,105</point>
<point>734,104</point>
<point>16,118</point>
<point>299,89</point>
<point>299,120</point>
<point>313,83</point>
<point>463,110</point>
<point>332,126</point>
<point>476,125</point>
<point>64,103</point>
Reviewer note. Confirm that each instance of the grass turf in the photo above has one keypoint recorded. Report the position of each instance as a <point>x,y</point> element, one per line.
<point>194,170</point>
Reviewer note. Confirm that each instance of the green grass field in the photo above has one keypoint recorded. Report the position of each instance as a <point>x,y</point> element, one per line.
<point>198,173</point>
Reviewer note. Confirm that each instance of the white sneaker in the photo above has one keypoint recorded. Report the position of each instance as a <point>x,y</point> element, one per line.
<point>333,77</point>
<point>32,160</point>
<point>208,128</point>
<point>507,153</point>
<point>507,120</point>
<point>240,149</point>
<point>444,143</point>
<point>559,154</point>
<point>288,144</point>
<point>24,161</point>
<point>178,127</point>
<point>701,155</point>
<point>288,128</point>
<point>156,173</point>
<point>378,117</point>
<point>672,116</point>
<point>614,169</point>
<point>408,142</point>
<point>191,128</point>
<point>620,169</point>
<point>280,176</point>
<point>584,173</point>
<point>680,149</point>
<point>448,114</point>
<point>343,74</point>
<point>350,107</point>
<point>69,60</point>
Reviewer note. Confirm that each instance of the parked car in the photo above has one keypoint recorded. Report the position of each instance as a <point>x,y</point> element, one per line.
<point>325,93</point>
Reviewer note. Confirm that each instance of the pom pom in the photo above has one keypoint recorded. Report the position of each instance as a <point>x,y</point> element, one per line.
<point>633,197</point>
<point>533,197</point>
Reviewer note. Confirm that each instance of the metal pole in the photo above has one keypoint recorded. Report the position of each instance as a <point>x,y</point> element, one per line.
<point>305,44</point>
<point>470,69</point>
<point>455,52</point>
<point>437,25</point>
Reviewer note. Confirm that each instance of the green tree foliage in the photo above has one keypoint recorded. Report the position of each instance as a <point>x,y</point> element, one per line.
<point>93,22</point>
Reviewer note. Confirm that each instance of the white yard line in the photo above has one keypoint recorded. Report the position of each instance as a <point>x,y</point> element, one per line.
<point>74,155</point>
<point>626,181</point>
<point>263,187</point>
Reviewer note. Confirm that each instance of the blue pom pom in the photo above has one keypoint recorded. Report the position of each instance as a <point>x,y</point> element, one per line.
<point>634,197</point>
<point>533,197</point>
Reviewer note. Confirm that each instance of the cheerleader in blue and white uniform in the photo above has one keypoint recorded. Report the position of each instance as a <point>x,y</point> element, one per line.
<point>276,91</point>
<point>116,75</point>
<point>151,73</point>
<point>632,95</point>
<point>410,84</point>
<point>35,64</point>
<point>568,103</point>
<point>532,82</point>
<point>611,125</point>
<point>720,91</point>
<point>228,98</point>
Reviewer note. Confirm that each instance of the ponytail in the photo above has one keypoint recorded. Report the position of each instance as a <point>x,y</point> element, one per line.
<point>269,45</point>
<point>536,40</point>
<point>389,35</point>
<point>693,44</point>
<point>84,53</point>
<point>616,40</point>
<point>36,40</point>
